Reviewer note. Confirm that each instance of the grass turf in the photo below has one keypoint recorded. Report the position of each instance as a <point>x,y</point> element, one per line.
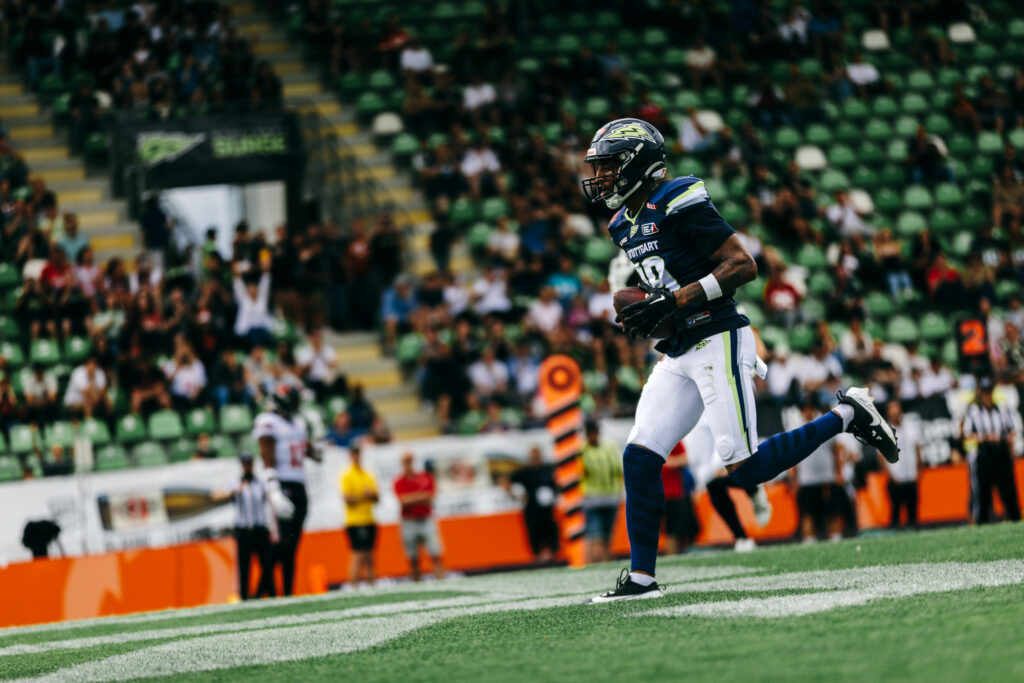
<point>938,636</point>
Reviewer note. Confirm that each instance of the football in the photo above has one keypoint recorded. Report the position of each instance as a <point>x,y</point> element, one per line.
<point>630,295</point>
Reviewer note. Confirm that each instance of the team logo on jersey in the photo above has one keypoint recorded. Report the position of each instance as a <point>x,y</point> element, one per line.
<point>632,230</point>
<point>648,229</point>
<point>701,344</point>
<point>633,130</point>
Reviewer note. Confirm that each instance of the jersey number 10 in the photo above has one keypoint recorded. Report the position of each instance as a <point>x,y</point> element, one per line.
<point>652,271</point>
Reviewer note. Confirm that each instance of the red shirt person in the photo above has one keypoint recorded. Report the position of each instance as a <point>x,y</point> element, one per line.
<point>415,492</point>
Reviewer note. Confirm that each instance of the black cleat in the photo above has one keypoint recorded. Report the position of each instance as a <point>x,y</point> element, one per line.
<point>627,589</point>
<point>868,425</point>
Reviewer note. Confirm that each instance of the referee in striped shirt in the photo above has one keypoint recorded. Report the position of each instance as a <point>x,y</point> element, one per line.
<point>252,532</point>
<point>991,428</point>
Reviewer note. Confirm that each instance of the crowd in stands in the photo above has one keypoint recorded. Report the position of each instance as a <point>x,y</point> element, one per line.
<point>502,105</point>
<point>159,59</point>
<point>84,342</point>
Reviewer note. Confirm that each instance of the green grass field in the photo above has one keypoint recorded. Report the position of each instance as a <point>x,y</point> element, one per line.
<point>940,605</point>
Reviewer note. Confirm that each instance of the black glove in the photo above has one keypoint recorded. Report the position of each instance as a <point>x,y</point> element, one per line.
<point>643,318</point>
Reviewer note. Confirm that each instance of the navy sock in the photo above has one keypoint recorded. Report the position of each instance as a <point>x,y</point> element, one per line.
<point>645,503</point>
<point>782,451</point>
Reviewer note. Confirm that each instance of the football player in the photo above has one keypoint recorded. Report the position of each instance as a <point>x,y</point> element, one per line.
<point>284,444</point>
<point>691,263</point>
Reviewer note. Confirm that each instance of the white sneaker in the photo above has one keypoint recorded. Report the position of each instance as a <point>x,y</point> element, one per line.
<point>762,506</point>
<point>744,545</point>
<point>868,425</point>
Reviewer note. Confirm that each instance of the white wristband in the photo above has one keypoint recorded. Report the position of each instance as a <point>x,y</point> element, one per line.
<point>711,287</point>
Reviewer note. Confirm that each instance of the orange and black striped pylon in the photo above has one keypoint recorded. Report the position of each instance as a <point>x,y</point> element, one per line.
<point>561,386</point>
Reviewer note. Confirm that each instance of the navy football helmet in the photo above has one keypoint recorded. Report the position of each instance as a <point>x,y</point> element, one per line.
<point>624,154</point>
<point>285,400</point>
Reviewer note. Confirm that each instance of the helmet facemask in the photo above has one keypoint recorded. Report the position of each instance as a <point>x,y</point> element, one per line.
<point>609,182</point>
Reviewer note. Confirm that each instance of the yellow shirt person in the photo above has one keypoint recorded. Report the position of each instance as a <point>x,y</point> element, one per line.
<point>359,491</point>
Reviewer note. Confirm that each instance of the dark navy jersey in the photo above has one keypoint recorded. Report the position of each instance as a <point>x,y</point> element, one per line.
<point>670,243</point>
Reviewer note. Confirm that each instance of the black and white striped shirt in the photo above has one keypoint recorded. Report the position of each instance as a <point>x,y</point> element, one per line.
<point>251,504</point>
<point>987,423</point>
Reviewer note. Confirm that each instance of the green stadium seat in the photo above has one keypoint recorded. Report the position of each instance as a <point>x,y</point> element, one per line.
<point>1016,138</point>
<point>494,208</point>
<point>224,446</point>
<point>10,469</point>
<point>961,243</point>
<point>973,218</point>
<point>896,151</point>
<point>44,351</point>
<point>112,457</point>
<point>883,105</point>
<point>337,404</point>
<point>9,276</point>
<point>149,454</point>
<point>814,308</point>
<point>370,104</point>
<point>199,421</point>
<point>841,156</point>
<point>877,129</point>
<point>599,250</point>
<point>901,329</point>
<point>463,211</point>
<point>754,314</point>
<point>404,145</point>
<point>935,326</point>
<point>811,257</point>
<point>181,450</point>
<point>596,107</point>
<point>61,107</point>
<point>130,429</point>
<point>76,349</point>
<point>910,223</point>
<point>96,431</point>
<point>9,328</point>
<point>60,433</point>
<point>989,142</point>
<point>870,153</point>
<point>284,330</point>
<point>906,126</point>
<point>914,103</point>
<point>919,79</point>
<point>864,178</point>
<point>833,179</point>
<point>948,194</point>
<point>408,350</point>
<point>942,221</point>
<point>983,53</point>
<point>773,336</point>
<point>847,132</point>
<point>787,137</point>
<point>628,378</point>
<point>479,236</point>
<point>351,83</point>
<point>886,200</point>
<point>917,197</point>
<point>959,145</point>
<point>879,305</point>
<point>733,212</point>
<point>801,337</point>
<point>165,425</point>
<point>22,438</point>
<point>938,124</point>
<point>235,419</point>
<point>854,109</point>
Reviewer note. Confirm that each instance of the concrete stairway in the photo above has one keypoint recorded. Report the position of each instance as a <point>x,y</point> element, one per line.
<point>360,359</point>
<point>101,217</point>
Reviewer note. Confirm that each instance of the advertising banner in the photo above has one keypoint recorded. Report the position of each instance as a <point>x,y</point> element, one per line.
<point>159,506</point>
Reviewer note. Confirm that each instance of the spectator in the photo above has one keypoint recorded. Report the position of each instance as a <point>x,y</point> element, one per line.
<point>360,410</point>
<point>601,483</point>
<point>927,163</point>
<point>962,111</point>
<point>781,298</point>
<point>70,241</point>
<point>979,280</point>
<point>545,314</point>
<point>229,385</point>
<point>702,64</point>
<point>846,218</point>
<point>490,292</point>
<point>903,474</point>
<point>802,97</point>
<point>415,58</point>
<point>415,492</point>
<point>889,257</point>
<point>856,344</point>
<point>359,493</point>
<point>318,365</point>
<point>87,392</point>
<point>864,76</point>
<point>1007,197</point>
<point>534,485</point>
<point>156,230</point>
<point>398,308</point>
<point>815,481</point>
<point>148,387</point>
<point>267,92</point>
<point>254,320</point>
<point>482,170</point>
<point>39,387</point>
<point>57,464</point>
<point>694,138</point>
<point>85,114</point>
<point>681,524</point>
<point>187,377</point>
<point>489,376</point>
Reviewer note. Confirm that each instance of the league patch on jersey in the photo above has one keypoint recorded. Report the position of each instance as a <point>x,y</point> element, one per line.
<point>652,207</point>
<point>698,319</point>
<point>648,229</point>
<point>623,241</point>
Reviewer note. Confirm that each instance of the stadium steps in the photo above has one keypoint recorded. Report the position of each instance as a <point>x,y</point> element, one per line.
<point>361,360</point>
<point>101,218</point>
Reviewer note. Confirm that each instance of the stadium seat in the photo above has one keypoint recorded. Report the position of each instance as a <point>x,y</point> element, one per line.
<point>934,326</point>
<point>877,129</point>
<point>914,103</point>
<point>973,218</point>
<point>112,457</point>
<point>224,446</point>
<point>130,429</point>
<point>814,308</point>
<point>847,132</point>
<point>1016,138</point>
<point>181,450</point>
<point>870,153</point>
<point>407,351</point>
<point>494,208</point>
<point>479,236</point>
<point>10,469</point>
<point>22,438</point>
<point>462,211</point>
<point>820,283</point>
<point>917,197</point>
<point>9,276</point>
<point>990,142</point>
<point>599,250</point>
<point>919,79</point>
<point>235,419</point>
<point>948,194</point>
<point>896,150</point>
<point>787,137</point>
<point>76,349</point>
<point>335,405</point>
<point>596,107</point>
<point>959,145</point>
<point>901,329</point>
<point>834,179</point>
<point>9,328</point>
<point>854,109</point>
<point>61,434</point>
<point>165,425</point>
<point>44,351</point>
<point>841,156</point>
<point>879,305</point>
<point>801,337</point>
<point>942,221</point>
<point>884,106</point>
<point>369,105</point>
<point>910,223</point>
<point>906,126</point>
<point>938,124</point>
<point>96,431</point>
<point>863,177</point>
<point>199,421</point>
<point>886,200</point>
<point>149,454</point>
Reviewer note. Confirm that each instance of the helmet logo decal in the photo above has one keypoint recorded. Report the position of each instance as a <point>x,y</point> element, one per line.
<point>632,130</point>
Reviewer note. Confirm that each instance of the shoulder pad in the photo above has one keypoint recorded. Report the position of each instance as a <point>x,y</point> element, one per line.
<point>685,192</point>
